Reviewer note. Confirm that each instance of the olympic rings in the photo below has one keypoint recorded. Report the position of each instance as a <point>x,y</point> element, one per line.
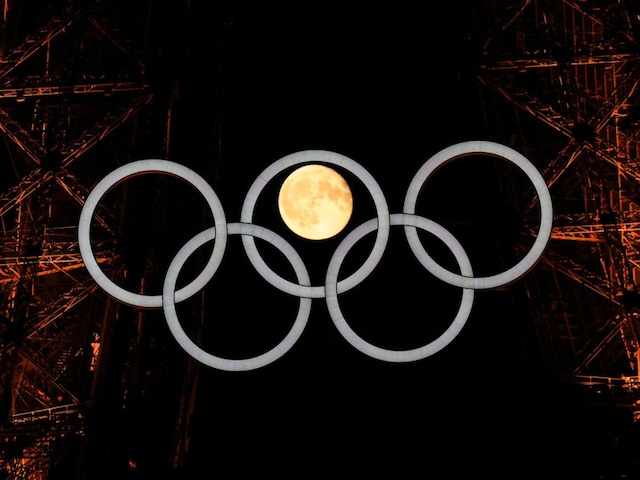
<point>119,175</point>
<point>333,286</point>
<point>544,197</point>
<point>398,355</point>
<point>182,338</point>
<point>308,156</point>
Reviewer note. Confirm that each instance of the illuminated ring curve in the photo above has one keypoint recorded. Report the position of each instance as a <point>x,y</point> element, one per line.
<point>546,213</point>
<point>119,175</point>
<point>398,355</point>
<point>194,350</point>
<point>332,287</point>
<point>306,156</point>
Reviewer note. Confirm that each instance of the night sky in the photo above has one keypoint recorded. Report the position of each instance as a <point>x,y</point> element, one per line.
<point>388,85</point>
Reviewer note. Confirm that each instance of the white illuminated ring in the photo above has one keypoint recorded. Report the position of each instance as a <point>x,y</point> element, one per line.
<point>546,213</point>
<point>194,350</point>
<point>332,287</point>
<point>382,213</point>
<point>119,175</point>
<point>398,355</point>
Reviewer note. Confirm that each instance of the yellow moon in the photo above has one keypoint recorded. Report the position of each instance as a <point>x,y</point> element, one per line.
<point>315,202</point>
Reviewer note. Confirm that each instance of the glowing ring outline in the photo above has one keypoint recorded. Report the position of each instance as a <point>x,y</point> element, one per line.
<point>121,174</point>
<point>317,156</point>
<point>384,354</point>
<point>450,154</point>
<point>171,317</point>
<point>303,290</point>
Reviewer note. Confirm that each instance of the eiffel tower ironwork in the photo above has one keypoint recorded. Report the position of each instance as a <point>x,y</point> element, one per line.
<point>559,81</point>
<point>67,85</point>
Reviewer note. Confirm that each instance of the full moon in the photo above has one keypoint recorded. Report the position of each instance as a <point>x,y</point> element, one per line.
<point>315,202</point>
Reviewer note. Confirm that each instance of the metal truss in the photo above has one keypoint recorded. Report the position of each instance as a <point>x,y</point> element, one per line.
<point>59,103</point>
<point>568,71</point>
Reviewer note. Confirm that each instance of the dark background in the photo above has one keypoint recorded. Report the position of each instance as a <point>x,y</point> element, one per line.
<point>387,84</point>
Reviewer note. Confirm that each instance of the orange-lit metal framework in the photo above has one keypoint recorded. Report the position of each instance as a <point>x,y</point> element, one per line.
<point>84,88</point>
<point>67,85</point>
<point>557,81</point>
<point>566,74</point>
